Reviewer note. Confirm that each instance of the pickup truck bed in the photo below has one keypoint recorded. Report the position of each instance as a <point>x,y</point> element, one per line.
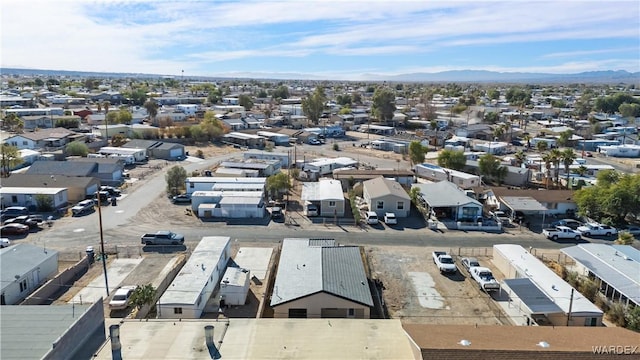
<point>162,238</point>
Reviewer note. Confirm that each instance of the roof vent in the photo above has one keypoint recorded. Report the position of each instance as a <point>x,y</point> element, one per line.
<point>465,342</point>
<point>543,344</point>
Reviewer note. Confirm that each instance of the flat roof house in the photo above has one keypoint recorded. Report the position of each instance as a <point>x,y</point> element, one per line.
<point>616,269</point>
<point>158,149</point>
<point>317,279</point>
<point>384,195</point>
<point>206,183</point>
<point>44,139</point>
<point>447,200</point>
<point>189,292</point>
<point>78,188</point>
<point>326,194</point>
<point>539,293</point>
<point>29,196</point>
<point>24,267</point>
<point>437,173</point>
<point>404,177</point>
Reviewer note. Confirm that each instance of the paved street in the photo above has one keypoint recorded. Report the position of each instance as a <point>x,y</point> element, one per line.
<point>75,233</point>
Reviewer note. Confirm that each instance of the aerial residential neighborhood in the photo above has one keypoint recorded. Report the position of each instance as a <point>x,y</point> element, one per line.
<point>193,216</point>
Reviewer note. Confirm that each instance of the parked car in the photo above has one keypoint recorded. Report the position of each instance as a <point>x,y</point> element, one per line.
<point>14,229</point>
<point>83,207</point>
<point>371,217</point>
<point>276,213</point>
<point>390,218</point>
<point>181,199</point>
<point>501,217</point>
<point>561,232</point>
<point>311,210</point>
<point>162,238</point>
<point>573,224</point>
<point>13,211</point>
<point>597,230</point>
<point>4,242</point>
<point>111,190</point>
<point>25,220</point>
<point>632,229</point>
<point>121,298</point>
<point>484,278</point>
<point>469,262</point>
<point>444,262</point>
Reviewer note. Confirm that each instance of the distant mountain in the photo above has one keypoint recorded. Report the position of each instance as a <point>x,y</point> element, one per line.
<point>610,76</point>
<point>620,76</point>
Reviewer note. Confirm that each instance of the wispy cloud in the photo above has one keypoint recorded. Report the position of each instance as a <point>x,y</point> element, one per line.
<point>632,50</point>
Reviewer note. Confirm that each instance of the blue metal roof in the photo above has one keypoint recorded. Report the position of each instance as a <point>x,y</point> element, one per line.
<point>534,298</point>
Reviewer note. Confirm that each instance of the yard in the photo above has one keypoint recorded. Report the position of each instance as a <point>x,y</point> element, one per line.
<point>416,292</point>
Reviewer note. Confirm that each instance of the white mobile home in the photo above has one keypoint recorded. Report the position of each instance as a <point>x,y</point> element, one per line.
<point>267,155</point>
<point>540,294</point>
<point>276,138</point>
<point>436,173</point>
<point>491,147</point>
<point>325,166</point>
<point>189,292</point>
<point>206,183</point>
<point>23,268</point>
<point>234,286</point>
<point>138,155</point>
<point>28,196</point>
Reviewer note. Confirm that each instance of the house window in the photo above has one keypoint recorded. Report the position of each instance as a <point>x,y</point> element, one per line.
<point>400,205</point>
<point>177,310</point>
<point>351,312</point>
<point>298,313</point>
<point>14,198</point>
<point>23,285</point>
<point>332,204</point>
<point>380,205</point>
<point>191,185</point>
<point>24,143</point>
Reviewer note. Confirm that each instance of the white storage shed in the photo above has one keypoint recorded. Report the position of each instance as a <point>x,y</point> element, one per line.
<point>234,286</point>
<point>23,268</point>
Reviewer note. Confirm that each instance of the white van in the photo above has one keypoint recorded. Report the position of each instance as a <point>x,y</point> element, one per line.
<point>371,217</point>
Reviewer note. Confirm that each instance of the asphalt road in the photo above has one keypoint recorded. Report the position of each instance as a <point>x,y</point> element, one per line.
<point>75,234</point>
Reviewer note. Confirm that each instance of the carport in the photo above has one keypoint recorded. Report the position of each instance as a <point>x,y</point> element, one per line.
<point>525,204</point>
<point>530,300</point>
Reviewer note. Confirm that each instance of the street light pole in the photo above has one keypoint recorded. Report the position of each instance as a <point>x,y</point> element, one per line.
<point>102,254</point>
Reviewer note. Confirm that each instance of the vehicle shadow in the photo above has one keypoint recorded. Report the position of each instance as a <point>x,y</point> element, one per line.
<point>457,276</point>
<point>164,249</point>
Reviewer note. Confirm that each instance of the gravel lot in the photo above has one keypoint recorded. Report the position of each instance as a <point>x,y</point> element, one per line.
<point>414,289</point>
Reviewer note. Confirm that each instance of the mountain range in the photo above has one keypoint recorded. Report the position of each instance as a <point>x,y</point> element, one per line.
<point>465,76</point>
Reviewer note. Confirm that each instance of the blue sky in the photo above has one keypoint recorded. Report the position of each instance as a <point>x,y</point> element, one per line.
<point>326,39</point>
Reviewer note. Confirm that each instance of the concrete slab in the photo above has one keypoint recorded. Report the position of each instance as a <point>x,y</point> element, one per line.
<point>255,259</point>
<point>425,288</point>
<point>117,271</point>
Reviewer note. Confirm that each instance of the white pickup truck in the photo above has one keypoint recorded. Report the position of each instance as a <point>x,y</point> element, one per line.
<point>484,277</point>
<point>444,262</point>
<point>561,232</point>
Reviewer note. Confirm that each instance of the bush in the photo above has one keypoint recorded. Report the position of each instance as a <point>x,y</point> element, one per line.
<point>572,278</point>
<point>616,314</point>
<point>589,289</point>
<point>336,147</point>
<point>200,154</point>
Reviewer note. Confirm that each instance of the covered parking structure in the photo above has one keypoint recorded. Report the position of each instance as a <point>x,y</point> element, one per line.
<point>615,268</point>
<point>530,301</point>
<point>525,204</point>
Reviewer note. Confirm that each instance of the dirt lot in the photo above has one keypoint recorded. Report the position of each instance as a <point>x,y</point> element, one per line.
<point>416,292</point>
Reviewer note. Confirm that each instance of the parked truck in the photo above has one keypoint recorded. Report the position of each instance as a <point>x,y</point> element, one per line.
<point>444,262</point>
<point>561,232</point>
<point>484,277</point>
<point>162,238</point>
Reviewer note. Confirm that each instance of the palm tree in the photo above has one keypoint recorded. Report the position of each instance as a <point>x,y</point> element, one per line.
<point>568,157</point>
<point>556,157</point>
<point>581,170</point>
<point>547,166</point>
<point>498,132</point>
<point>541,146</point>
<point>105,105</point>
<point>527,139</point>
<point>520,157</point>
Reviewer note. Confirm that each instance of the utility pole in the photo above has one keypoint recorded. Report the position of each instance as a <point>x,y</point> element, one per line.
<point>102,254</point>
<point>570,306</point>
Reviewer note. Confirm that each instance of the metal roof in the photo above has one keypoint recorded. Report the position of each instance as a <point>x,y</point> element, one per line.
<point>195,274</point>
<point>309,266</point>
<point>241,200</point>
<point>325,189</point>
<point>19,259</point>
<point>28,332</point>
<point>536,300</point>
<point>444,194</point>
<point>32,190</point>
<point>522,203</point>
<point>546,280</point>
<point>617,265</point>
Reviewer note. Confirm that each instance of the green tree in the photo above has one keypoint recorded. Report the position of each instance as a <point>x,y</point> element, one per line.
<point>12,122</point>
<point>568,156</point>
<point>491,117</point>
<point>118,140</point>
<point>245,101</point>
<point>542,146</point>
<point>556,159</point>
<point>138,97</point>
<point>383,105</point>
<point>490,167</point>
<point>152,109</point>
<point>632,317</point>
<point>124,117</point>
<point>281,92</point>
<point>278,184</point>
<point>44,202</point>
<point>493,94</point>
<point>67,123</point>
<point>345,110</point>
<point>313,105</point>
<point>517,96</point>
<point>9,159</point>
<point>175,178</point>
<point>417,152</point>
<point>77,148</point>
<point>520,157</point>
<point>629,110</point>
<point>143,295</point>
<point>564,137</point>
<point>452,159</point>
